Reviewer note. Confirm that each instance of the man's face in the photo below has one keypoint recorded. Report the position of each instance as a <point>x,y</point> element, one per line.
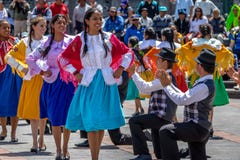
<point>160,63</point>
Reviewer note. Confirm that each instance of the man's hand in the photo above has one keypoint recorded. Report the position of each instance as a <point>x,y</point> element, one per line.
<point>234,75</point>
<point>164,77</point>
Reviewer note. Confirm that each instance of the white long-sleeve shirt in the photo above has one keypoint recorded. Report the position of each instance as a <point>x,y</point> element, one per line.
<point>195,94</point>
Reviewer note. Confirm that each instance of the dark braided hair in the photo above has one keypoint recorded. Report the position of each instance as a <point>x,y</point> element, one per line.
<point>205,29</point>
<point>169,34</point>
<point>33,22</point>
<point>54,19</point>
<point>87,16</point>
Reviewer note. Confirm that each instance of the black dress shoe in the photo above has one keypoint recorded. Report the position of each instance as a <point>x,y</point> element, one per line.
<point>125,140</point>
<point>184,152</point>
<point>83,144</point>
<point>34,150</point>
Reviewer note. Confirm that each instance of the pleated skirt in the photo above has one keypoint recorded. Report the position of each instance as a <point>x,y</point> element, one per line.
<point>10,86</point>
<point>95,107</point>
<point>55,99</point>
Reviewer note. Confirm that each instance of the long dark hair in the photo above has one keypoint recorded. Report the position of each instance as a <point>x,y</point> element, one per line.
<point>33,22</point>
<point>54,19</point>
<point>169,34</point>
<point>205,29</point>
<point>87,16</point>
<point>195,15</point>
<point>150,32</point>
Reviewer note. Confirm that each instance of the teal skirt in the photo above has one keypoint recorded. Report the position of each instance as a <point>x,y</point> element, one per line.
<point>95,107</point>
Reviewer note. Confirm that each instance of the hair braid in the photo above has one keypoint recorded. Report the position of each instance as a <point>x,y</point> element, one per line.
<point>85,48</point>
<point>45,52</point>
<point>104,43</point>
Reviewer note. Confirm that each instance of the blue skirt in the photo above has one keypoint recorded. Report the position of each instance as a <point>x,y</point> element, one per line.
<point>10,86</point>
<point>55,99</point>
<point>96,107</point>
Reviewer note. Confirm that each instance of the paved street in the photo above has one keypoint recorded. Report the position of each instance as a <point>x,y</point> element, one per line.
<point>226,125</point>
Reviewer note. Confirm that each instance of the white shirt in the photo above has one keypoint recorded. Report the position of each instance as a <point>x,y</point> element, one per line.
<point>148,22</point>
<point>194,25</point>
<point>148,43</point>
<point>78,13</point>
<point>195,94</point>
<point>95,59</point>
<point>166,44</point>
<point>3,14</point>
<point>207,6</point>
<point>183,4</point>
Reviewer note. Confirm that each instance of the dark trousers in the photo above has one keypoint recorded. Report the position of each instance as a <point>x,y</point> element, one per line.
<point>190,132</point>
<point>115,134</point>
<point>147,121</point>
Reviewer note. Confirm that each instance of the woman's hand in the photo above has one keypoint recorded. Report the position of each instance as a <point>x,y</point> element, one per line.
<point>47,73</point>
<point>25,70</point>
<point>234,75</point>
<point>117,74</point>
<point>164,77</point>
<point>78,76</point>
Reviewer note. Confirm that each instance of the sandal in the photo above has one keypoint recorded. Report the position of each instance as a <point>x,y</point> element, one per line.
<point>42,149</point>
<point>35,150</point>
<point>14,140</point>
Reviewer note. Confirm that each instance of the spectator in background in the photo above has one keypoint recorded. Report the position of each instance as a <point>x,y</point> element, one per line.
<point>58,7</point>
<point>78,15</point>
<point>186,5</point>
<point>218,25</point>
<point>232,19</point>
<point>3,11</point>
<point>42,9</point>
<point>95,4</point>
<point>144,19</point>
<point>196,21</point>
<point>207,7</point>
<point>134,30</point>
<point>151,5</point>
<point>170,4</point>
<point>123,9</point>
<point>114,23</point>
<point>20,14</point>
<point>128,21</point>
<point>161,21</point>
<point>182,23</point>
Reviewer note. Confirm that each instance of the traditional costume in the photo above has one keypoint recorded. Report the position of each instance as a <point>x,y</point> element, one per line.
<point>150,62</point>
<point>28,106</point>
<point>224,59</point>
<point>56,95</point>
<point>10,83</point>
<point>96,104</point>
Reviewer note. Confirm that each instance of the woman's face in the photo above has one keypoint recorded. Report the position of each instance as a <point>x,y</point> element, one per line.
<point>60,25</point>
<point>235,11</point>
<point>94,23</point>
<point>40,28</point>
<point>198,12</point>
<point>5,30</point>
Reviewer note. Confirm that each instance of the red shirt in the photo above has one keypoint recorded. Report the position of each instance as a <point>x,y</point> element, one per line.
<point>59,9</point>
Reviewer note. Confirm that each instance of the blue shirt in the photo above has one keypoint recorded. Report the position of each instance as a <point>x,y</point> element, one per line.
<point>116,25</point>
<point>134,31</point>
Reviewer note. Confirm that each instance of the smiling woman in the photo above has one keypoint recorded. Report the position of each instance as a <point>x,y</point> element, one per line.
<point>101,64</point>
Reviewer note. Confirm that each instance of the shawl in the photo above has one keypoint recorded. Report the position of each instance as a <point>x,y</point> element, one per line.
<point>188,52</point>
<point>71,55</point>
<point>18,52</point>
<point>5,46</point>
<point>150,62</point>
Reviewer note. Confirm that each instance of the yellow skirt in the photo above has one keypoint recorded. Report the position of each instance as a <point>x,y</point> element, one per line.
<point>29,106</point>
